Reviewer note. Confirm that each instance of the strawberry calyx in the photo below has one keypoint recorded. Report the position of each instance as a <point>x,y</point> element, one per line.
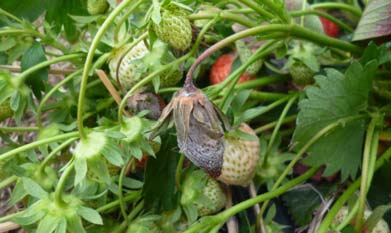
<point>91,147</point>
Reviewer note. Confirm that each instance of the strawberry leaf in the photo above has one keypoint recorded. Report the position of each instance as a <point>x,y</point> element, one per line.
<point>33,189</point>
<point>302,201</point>
<point>336,96</point>
<point>48,224</point>
<point>159,188</point>
<point>90,215</point>
<point>33,56</point>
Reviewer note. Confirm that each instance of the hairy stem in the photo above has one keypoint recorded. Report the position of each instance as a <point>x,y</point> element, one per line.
<point>327,129</point>
<point>90,56</point>
<point>365,173</point>
<point>336,5</point>
<point>37,144</point>
<point>324,226</point>
<point>288,30</point>
<point>165,67</point>
<point>44,64</point>
<point>50,93</point>
<point>277,128</point>
<point>208,222</point>
<point>61,185</point>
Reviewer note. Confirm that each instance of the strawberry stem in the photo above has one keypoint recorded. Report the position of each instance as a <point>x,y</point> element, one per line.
<point>51,92</point>
<point>90,56</point>
<point>44,64</point>
<point>263,128</point>
<point>324,15</point>
<point>188,82</point>
<point>337,5</point>
<point>224,15</point>
<point>301,152</point>
<point>9,180</point>
<point>18,129</point>
<point>258,9</point>
<point>61,185</point>
<point>37,144</point>
<point>47,159</point>
<point>370,140</point>
<point>178,172</point>
<point>290,29</point>
<point>277,128</point>
<point>211,221</point>
<point>130,197</point>
<point>324,226</point>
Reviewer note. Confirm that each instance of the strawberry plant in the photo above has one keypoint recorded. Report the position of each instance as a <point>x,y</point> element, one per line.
<point>195,116</point>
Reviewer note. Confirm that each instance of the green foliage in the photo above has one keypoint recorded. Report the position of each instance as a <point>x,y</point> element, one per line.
<point>302,202</point>
<point>159,190</point>
<point>335,97</point>
<point>37,80</point>
<point>79,157</point>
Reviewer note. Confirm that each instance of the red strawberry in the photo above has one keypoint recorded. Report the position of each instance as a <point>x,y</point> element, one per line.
<point>330,28</point>
<point>222,68</point>
<point>141,163</point>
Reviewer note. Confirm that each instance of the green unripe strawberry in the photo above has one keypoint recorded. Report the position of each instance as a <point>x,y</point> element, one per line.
<point>380,227</point>
<point>217,197</point>
<point>240,158</point>
<point>301,74</point>
<point>244,54</point>
<point>95,7</point>
<point>174,28</point>
<point>145,224</point>
<point>128,67</point>
<point>203,192</point>
<point>170,78</point>
<point>5,110</point>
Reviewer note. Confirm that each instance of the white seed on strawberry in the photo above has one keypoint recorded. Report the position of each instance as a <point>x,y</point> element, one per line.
<point>381,226</point>
<point>240,158</point>
<point>127,65</point>
<point>203,192</point>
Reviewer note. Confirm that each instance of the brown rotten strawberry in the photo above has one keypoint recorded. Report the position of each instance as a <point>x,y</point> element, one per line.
<point>199,124</point>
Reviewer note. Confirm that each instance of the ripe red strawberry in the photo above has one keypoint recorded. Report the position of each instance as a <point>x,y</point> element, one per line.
<point>5,110</point>
<point>141,163</point>
<point>222,68</point>
<point>240,158</point>
<point>330,28</point>
<point>202,192</point>
<point>174,28</point>
<point>95,7</point>
<point>301,74</point>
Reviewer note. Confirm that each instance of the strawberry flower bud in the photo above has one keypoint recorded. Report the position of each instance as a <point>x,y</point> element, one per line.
<point>199,124</point>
